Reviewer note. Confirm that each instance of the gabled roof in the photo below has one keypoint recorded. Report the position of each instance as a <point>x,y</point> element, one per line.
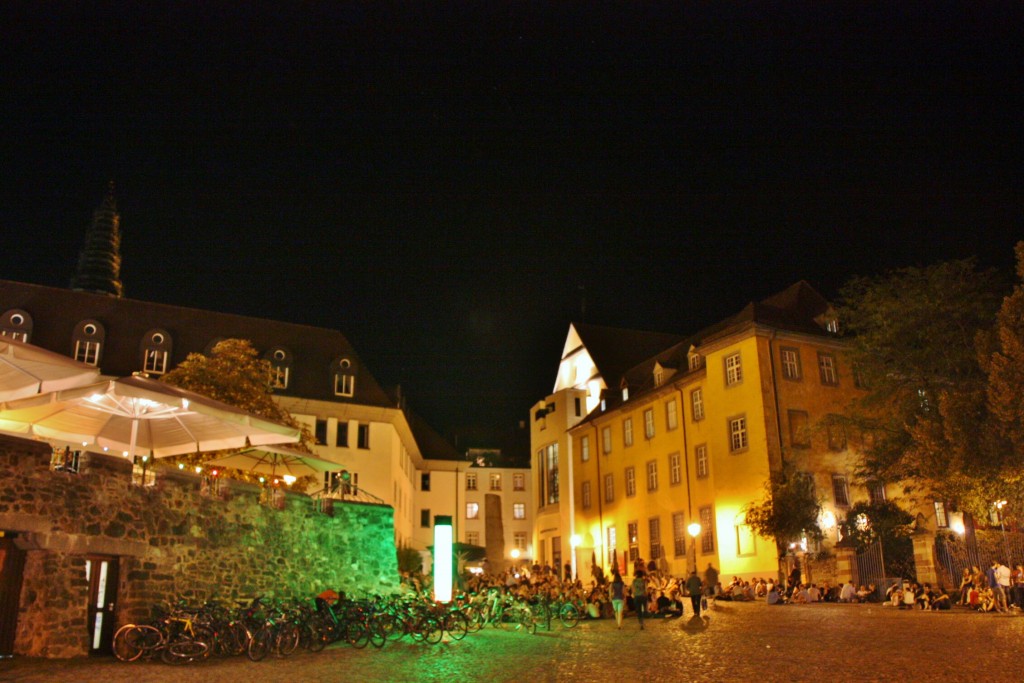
<point>56,312</point>
<point>614,350</point>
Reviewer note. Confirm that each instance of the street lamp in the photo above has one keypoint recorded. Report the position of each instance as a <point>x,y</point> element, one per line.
<point>694,530</point>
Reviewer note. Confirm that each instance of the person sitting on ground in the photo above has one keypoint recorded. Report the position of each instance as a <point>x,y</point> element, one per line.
<point>847,593</point>
<point>813,594</point>
<point>800,596</point>
<point>925,596</point>
<point>966,581</point>
<point>941,601</point>
<point>773,597</point>
<point>974,597</point>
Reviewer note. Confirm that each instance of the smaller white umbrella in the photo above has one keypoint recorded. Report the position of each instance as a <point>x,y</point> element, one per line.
<point>26,370</point>
<point>275,461</point>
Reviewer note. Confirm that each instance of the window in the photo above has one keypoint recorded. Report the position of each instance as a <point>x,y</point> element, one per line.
<point>745,540</point>
<point>649,423</point>
<point>840,492</point>
<point>65,459</point>
<point>585,494</point>
<point>941,521</point>
<point>609,488</point>
<point>707,530</point>
<point>700,456</point>
<point>671,415</point>
<point>472,538</point>
<point>630,481</point>
<point>519,540</point>
<point>876,492</point>
<point>738,434</point>
<point>495,481</point>
<point>654,531</point>
<point>471,481</point>
<point>579,406</point>
<point>695,361</point>
<point>585,448</point>
<point>611,545</point>
<point>425,481</point>
<point>155,362</point>
<point>659,375</point>
<point>836,433</point>
<point>425,518</point>
<point>733,370</point>
<point>679,534</point>
<point>320,432</point>
<point>633,529</point>
<point>518,481</point>
<point>606,440</point>
<point>280,368</point>
<point>791,363</point>
<point>827,369</point>
<point>363,436</point>
<point>472,510</point>
<point>799,429</point>
<point>518,510</point>
<point>652,475</point>
<point>548,474</point>
<point>697,401</point>
<point>627,431</point>
<point>344,385</point>
<point>556,552</point>
<point>675,468</point>
<point>341,435</point>
<point>87,352</point>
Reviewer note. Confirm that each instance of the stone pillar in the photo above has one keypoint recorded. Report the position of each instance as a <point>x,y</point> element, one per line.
<point>924,559</point>
<point>846,565</point>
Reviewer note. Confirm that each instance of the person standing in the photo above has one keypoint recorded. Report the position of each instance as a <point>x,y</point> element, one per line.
<point>639,589</point>
<point>618,595</point>
<point>694,587</point>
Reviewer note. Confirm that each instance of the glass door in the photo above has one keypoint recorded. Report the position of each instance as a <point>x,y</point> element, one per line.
<point>101,573</point>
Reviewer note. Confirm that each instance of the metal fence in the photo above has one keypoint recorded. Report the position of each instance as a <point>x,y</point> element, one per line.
<point>954,553</point>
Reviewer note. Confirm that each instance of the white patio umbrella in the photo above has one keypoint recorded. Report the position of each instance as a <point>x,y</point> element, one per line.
<point>26,370</point>
<point>140,415</point>
<point>275,461</point>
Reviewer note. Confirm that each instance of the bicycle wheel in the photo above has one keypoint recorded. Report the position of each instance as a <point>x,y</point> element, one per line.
<point>312,638</point>
<point>259,644</point>
<point>433,630</point>
<point>358,635</point>
<point>235,639</point>
<point>134,640</point>
<point>569,615</point>
<point>524,621</point>
<point>287,639</point>
<point>183,650</point>
<point>541,614</point>
<point>457,625</point>
<point>377,635</point>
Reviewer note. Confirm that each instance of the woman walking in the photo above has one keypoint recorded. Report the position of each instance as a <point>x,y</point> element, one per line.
<point>618,595</point>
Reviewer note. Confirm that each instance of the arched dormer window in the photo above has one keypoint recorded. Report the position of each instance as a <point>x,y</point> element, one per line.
<point>87,342</point>
<point>344,377</point>
<point>156,349</point>
<point>694,359</point>
<point>16,324</point>
<point>280,360</point>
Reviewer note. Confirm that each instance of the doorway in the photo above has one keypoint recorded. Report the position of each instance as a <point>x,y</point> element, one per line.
<point>12,565</point>
<point>102,575</point>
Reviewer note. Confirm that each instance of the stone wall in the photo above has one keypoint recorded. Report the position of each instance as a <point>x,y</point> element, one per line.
<point>171,539</point>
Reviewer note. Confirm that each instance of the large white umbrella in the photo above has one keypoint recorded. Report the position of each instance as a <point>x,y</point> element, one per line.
<point>275,461</point>
<point>140,415</point>
<point>26,370</point>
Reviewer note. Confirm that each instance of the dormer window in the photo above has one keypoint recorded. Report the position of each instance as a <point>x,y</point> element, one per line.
<point>280,360</point>
<point>87,341</point>
<point>156,351</point>
<point>694,359</point>
<point>625,394</point>
<point>17,325</point>
<point>344,378</point>
<point>659,375</point>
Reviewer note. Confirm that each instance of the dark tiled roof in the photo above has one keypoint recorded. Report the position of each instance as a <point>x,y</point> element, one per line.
<point>614,350</point>
<point>55,313</point>
<point>432,445</point>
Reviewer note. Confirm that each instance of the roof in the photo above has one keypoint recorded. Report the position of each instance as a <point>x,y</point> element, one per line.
<point>56,312</point>
<point>614,350</point>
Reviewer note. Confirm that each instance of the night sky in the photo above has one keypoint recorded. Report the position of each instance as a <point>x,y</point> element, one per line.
<point>450,184</point>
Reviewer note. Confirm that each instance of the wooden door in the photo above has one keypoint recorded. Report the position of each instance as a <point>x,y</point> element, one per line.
<point>101,571</point>
<point>12,564</point>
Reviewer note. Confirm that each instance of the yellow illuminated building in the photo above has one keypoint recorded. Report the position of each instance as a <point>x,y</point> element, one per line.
<point>689,432</point>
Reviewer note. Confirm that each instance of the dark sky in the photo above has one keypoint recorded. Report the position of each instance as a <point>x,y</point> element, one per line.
<point>446,183</point>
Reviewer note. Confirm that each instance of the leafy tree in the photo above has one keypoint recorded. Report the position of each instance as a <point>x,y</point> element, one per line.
<point>233,373</point>
<point>913,341</point>
<point>789,509</point>
<point>1001,355</point>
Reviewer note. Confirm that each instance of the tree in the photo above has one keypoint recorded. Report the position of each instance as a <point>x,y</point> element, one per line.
<point>913,342</point>
<point>868,523</point>
<point>233,373</point>
<point>789,509</point>
<point>1001,355</point>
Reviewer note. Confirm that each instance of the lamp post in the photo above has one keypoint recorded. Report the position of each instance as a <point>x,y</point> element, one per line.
<point>694,530</point>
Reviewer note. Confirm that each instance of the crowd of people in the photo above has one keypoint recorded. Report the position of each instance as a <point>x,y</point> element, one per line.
<point>652,593</point>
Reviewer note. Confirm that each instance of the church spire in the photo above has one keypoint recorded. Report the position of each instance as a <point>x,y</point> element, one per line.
<point>99,261</point>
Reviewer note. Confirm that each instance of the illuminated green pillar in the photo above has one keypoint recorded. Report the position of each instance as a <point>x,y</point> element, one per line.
<point>443,558</point>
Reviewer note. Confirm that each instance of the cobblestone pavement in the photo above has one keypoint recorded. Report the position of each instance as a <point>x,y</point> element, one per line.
<point>737,642</point>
